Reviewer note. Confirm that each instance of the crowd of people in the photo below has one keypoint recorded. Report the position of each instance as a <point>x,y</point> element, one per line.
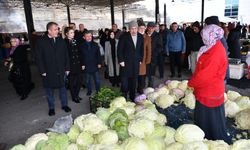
<point>130,58</point>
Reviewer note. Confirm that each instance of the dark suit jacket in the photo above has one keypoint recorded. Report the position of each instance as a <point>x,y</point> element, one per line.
<point>52,58</point>
<point>131,55</point>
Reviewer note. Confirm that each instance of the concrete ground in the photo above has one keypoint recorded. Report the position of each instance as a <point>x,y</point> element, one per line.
<point>21,119</point>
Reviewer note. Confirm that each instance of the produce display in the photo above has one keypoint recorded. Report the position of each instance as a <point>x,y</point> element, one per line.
<point>126,125</point>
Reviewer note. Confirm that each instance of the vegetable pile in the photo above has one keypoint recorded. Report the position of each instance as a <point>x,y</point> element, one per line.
<point>139,126</point>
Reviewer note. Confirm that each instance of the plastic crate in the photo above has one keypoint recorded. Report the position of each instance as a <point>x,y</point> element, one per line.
<point>236,71</point>
<point>94,104</point>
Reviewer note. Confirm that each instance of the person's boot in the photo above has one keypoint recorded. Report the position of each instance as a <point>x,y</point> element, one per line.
<point>66,108</point>
<point>52,112</point>
<point>76,100</point>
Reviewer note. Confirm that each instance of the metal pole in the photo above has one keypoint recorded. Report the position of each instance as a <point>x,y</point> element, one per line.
<point>123,17</point>
<point>29,17</point>
<point>165,14</point>
<point>157,15</point>
<point>202,12</point>
<point>68,12</point>
<point>112,12</point>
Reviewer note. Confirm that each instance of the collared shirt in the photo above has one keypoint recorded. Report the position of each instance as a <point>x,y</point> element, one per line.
<point>134,37</point>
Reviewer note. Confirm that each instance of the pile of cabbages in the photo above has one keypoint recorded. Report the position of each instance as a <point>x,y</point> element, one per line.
<point>133,126</point>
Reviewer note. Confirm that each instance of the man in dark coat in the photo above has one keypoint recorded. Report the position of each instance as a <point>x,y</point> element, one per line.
<point>156,53</point>
<point>91,61</point>
<point>53,64</point>
<point>130,55</point>
<point>233,41</point>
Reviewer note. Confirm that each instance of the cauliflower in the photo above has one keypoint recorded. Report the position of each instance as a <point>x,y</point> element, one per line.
<point>231,109</point>
<point>189,133</point>
<point>164,101</point>
<point>232,95</point>
<point>141,127</point>
<point>242,119</point>
<point>189,100</point>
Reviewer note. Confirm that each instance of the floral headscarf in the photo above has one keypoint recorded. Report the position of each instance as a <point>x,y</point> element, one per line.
<point>210,35</point>
<point>13,48</point>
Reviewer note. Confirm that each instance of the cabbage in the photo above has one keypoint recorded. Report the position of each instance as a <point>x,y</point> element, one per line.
<point>18,147</point>
<point>103,114</point>
<point>118,121</point>
<point>141,127</point>
<point>159,131</point>
<point>169,135</point>
<point>161,119</point>
<point>183,85</point>
<point>31,142</point>
<point>178,93</point>
<point>152,96</point>
<point>164,101</point>
<point>217,145</point>
<point>231,109</point>
<point>118,102</point>
<point>139,99</point>
<point>90,123</point>
<point>149,105</point>
<point>241,145</point>
<point>195,145</point>
<point>148,90</point>
<point>72,146</point>
<point>147,113</point>
<point>155,143</point>
<point>243,102</point>
<point>189,133</point>
<point>173,84</point>
<point>162,90</point>
<point>107,137</point>
<point>189,100</point>
<point>85,139</point>
<point>242,119</point>
<point>73,133</point>
<point>225,97</point>
<point>232,95</point>
<point>55,142</point>
<point>174,146</point>
<point>134,143</point>
<point>129,108</point>
<point>105,147</point>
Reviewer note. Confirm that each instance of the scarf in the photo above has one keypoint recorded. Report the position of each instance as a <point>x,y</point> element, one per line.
<point>210,35</point>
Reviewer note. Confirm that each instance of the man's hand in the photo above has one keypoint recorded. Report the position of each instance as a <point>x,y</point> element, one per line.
<point>122,64</point>
<point>67,73</point>
<point>99,66</point>
<point>83,67</point>
<point>44,74</point>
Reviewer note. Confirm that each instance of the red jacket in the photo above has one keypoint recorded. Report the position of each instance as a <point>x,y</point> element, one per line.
<point>208,78</point>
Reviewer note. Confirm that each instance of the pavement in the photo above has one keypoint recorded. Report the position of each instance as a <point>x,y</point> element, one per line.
<point>21,119</point>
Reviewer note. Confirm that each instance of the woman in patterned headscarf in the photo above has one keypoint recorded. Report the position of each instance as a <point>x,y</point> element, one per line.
<point>20,75</point>
<point>208,84</point>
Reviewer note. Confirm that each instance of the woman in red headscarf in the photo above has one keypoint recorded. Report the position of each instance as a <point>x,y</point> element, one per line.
<point>20,75</point>
<point>208,84</point>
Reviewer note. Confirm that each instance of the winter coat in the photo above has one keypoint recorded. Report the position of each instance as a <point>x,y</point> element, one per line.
<point>147,55</point>
<point>209,75</point>
<point>233,42</point>
<point>74,56</point>
<point>91,56</point>
<point>52,58</point>
<point>129,54</point>
<point>156,47</point>
<point>108,58</point>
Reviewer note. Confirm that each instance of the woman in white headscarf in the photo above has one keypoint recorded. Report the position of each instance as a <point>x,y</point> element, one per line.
<point>208,84</point>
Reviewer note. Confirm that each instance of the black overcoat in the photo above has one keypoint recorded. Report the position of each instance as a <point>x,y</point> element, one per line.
<point>130,54</point>
<point>52,58</point>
